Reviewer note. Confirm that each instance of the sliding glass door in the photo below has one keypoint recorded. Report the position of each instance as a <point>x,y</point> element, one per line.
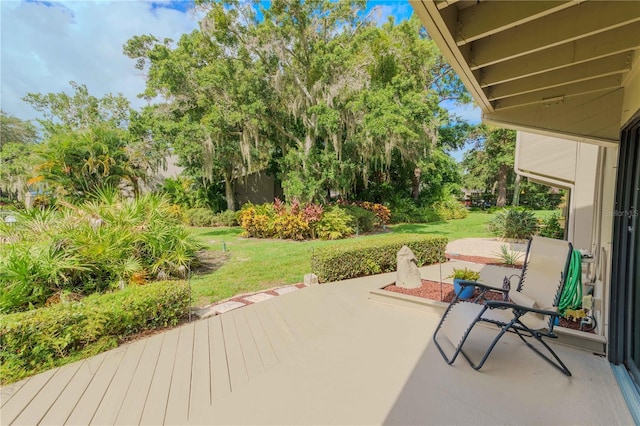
<point>625,286</point>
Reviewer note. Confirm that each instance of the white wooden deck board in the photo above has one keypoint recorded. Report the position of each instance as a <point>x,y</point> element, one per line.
<point>248,343</point>
<point>281,325</point>
<point>156,403</point>
<point>43,401</point>
<point>136,395</point>
<point>296,319</point>
<point>201,368</point>
<point>332,350</point>
<point>22,399</point>
<point>68,397</point>
<point>92,397</point>
<point>235,358</point>
<point>180,392</point>
<point>7,391</point>
<point>270,342</point>
<point>107,411</point>
<point>220,381</point>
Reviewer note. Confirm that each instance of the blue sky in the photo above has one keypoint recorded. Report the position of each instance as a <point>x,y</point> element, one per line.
<point>46,44</point>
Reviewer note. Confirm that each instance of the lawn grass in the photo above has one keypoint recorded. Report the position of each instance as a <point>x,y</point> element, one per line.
<point>257,264</point>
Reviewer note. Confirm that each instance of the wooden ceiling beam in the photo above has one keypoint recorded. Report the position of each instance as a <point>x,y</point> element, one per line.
<point>559,93</point>
<point>570,24</point>
<point>487,18</point>
<point>586,49</point>
<point>609,65</point>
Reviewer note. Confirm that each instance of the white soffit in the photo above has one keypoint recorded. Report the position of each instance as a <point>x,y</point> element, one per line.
<point>555,66</point>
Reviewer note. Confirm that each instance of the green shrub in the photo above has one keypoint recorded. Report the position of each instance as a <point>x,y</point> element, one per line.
<point>333,225</point>
<point>361,219</point>
<point>367,258</point>
<point>200,217</point>
<point>450,208</point>
<point>514,223</point>
<point>226,218</point>
<point>550,227</point>
<point>405,210</point>
<point>44,338</point>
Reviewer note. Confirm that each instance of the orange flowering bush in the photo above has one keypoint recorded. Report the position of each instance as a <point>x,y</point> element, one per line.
<point>383,214</point>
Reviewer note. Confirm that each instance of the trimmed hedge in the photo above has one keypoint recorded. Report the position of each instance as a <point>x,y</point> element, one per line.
<point>367,258</point>
<point>36,340</point>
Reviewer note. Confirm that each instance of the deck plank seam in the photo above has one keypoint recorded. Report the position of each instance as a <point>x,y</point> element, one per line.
<point>31,399</point>
<point>93,376</point>
<point>226,353</point>
<point>193,349</point>
<point>130,377</point>
<point>61,392</point>
<point>210,363</point>
<point>173,368</point>
<point>155,366</point>
<point>244,358</point>
<point>215,347</point>
<point>264,330</point>
<point>255,342</point>
<point>277,312</point>
<point>106,389</point>
<point>21,383</point>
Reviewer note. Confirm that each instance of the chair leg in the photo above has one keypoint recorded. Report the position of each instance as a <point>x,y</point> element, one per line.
<point>458,349</point>
<point>503,330</point>
<point>558,364</point>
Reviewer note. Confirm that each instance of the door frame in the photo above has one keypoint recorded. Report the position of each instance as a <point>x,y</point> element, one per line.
<point>626,250</point>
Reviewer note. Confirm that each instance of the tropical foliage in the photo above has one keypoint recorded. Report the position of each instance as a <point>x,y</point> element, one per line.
<point>91,143</point>
<point>106,243</point>
<point>298,222</point>
<point>517,223</point>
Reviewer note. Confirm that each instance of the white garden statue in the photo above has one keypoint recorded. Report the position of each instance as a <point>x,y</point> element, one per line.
<point>408,275</point>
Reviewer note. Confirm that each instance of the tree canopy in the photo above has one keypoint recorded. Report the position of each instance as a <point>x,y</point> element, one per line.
<point>90,143</point>
<point>316,92</point>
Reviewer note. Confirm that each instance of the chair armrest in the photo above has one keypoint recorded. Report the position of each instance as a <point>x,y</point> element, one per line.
<point>466,283</point>
<point>505,305</point>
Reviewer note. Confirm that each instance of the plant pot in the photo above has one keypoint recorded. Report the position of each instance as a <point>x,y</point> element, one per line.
<point>462,292</point>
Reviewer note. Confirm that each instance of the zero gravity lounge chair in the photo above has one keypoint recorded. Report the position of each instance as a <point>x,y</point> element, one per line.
<point>530,312</point>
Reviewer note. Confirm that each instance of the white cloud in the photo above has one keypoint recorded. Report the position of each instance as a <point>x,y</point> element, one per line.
<point>47,44</point>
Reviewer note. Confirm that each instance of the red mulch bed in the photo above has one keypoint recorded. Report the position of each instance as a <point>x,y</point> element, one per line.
<point>433,290</point>
<point>482,260</point>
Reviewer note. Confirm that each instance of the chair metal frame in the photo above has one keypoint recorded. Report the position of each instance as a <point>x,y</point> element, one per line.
<point>515,325</point>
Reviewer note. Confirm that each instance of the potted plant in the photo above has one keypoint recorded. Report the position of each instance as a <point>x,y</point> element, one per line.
<point>465,274</point>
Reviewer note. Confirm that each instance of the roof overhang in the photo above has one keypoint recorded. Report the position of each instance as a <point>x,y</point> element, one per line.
<point>561,68</point>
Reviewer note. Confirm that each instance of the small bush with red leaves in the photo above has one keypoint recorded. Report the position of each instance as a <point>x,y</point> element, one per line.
<point>383,214</point>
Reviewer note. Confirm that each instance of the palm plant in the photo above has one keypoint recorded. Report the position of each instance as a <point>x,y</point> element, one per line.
<point>514,223</point>
<point>103,244</point>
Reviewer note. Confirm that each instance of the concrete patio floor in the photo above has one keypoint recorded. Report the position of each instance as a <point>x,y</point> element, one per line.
<point>321,355</point>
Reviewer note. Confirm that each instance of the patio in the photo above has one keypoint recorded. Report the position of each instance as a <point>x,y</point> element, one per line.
<point>321,355</point>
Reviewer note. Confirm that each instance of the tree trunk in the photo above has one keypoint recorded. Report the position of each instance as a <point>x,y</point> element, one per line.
<point>229,193</point>
<point>502,186</point>
<point>416,184</point>
<point>516,191</point>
